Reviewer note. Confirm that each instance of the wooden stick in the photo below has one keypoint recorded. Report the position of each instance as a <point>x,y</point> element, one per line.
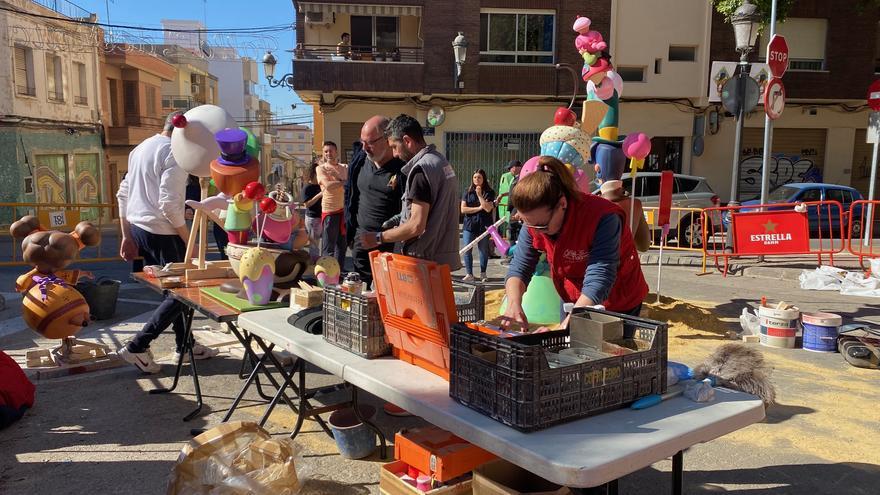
<point>191,242</point>
<point>203,239</point>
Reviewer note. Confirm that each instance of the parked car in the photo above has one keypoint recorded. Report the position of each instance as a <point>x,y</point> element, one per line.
<point>826,217</point>
<point>688,191</point>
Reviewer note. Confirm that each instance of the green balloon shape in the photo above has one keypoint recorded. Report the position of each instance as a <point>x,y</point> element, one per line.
<point>253,144</point>
<point>541,302</point>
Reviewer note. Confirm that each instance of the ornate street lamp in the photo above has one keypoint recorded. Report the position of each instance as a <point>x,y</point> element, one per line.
<point>459,49</point>
<point>269,62</point>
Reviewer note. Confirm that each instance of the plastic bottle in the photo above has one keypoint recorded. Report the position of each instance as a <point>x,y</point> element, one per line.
<point>423,483</point>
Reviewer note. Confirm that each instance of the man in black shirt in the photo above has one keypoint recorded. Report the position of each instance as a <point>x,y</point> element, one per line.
<point>379,185</point>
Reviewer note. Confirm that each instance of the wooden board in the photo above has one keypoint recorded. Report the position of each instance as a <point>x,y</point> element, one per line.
<point>236,302</point>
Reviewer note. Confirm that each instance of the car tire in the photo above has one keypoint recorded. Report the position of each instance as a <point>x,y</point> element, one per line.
<point>690,231</point>
<point>856,231</point>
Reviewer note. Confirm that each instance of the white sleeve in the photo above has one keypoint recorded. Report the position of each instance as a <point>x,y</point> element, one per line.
<point>172,192</point>
<point>122,198</point>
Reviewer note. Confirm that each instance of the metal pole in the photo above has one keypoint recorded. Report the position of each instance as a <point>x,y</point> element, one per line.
<point>869,217</point>
<point>740,117</point>
<point>768,128</point>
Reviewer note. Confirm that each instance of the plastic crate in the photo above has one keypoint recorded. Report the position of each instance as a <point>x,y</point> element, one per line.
<point>353,322</point>
<point>470,301</point>
<point>509,379</point>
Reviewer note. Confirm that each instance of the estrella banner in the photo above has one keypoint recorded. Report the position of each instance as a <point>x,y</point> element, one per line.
<point>771,232</point>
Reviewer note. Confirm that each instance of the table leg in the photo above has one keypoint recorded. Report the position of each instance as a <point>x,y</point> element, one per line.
<point>354,404</point>
<point>186,316</point>
<point>258,363</point>
<point>195,374</point>
<point>677,472</point>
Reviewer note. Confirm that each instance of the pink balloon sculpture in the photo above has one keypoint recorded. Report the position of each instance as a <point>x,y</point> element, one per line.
<point>580,177</point>
<point>637,145</point>
<point>500,244</point>
<point>530,166</point>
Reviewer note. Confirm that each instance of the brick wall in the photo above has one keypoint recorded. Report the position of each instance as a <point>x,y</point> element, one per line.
<point>850,50</point>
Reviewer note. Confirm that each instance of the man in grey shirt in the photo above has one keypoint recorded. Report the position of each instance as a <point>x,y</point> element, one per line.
<point>429,219</point>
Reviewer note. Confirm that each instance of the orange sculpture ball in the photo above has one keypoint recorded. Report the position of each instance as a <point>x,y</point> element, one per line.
<point>63,313</point>
<point>231,179</point>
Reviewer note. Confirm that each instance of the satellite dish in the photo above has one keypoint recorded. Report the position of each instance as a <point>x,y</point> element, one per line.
<point>436,116</point>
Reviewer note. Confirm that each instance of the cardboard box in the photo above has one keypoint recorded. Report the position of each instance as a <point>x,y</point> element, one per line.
<point>503,478</point>
<point>307,298</point>
<point>437,452</point>
<point>592,329</point>
<point>390,484</point>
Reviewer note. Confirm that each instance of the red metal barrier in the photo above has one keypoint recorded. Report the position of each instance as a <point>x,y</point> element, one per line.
<point>777,229</point>
<point>864,230</point>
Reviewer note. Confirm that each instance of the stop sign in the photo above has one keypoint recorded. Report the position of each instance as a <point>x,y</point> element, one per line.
<point>874,95</point>
<point>777,55</point>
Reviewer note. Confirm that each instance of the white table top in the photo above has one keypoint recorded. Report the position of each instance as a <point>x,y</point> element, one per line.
<point>581,453</point>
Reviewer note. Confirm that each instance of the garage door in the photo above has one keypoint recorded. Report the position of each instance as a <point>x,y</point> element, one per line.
<point>349,132</point>
<point>860,177</point>
<point>798,156</point>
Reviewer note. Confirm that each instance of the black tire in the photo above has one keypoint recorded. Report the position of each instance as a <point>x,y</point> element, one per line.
<point>690,231</point>
<point>856,232</point>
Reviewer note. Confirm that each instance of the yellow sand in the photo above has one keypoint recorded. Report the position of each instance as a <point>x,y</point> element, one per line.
<point>826,410</point>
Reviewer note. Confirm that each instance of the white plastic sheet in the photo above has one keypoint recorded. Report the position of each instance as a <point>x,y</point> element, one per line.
<point>846,282</point>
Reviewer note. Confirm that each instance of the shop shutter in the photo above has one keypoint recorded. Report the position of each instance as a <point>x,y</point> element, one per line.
<point>798,156</point>
<point>860,174</point>
<point>349,132</point>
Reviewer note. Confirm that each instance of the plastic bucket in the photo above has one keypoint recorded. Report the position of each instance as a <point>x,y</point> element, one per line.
<point>354,439</point>
<point>101,297</point>
<point>820,331</point>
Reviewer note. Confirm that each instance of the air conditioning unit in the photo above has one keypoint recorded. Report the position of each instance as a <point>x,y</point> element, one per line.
<point>194,88</point>
<point>314,18</point>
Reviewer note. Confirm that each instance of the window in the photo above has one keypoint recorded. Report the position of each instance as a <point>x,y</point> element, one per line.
<point>517,38</point>
<point>811,195</point>
<point>648,186</point>
<point>54,78</point>
<point>840,195</point>
<point>368,31</point>
<point>247,87</point>
<point>631,74</point>
<point>151,101</point>
<point>806,43</point>
<point>81,88</point>
<point>24,71</point>
<point>289,148</point>
<point>682,53</point>
<point>666,154</point>
<point>130,97</point>
<point>302,147</point>
<point>686,185</point>
<point>302,136</point>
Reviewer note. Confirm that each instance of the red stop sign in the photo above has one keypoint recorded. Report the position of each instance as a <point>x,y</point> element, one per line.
<point>777,55</point>
<point>874,95</point>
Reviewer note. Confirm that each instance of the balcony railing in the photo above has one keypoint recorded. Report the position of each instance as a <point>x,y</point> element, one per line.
<point>56,96</point>
<point>64,7</point>
<point>81,100</point>
<point>177,102</point>
<point>26,90</point>
<point>361,53</point>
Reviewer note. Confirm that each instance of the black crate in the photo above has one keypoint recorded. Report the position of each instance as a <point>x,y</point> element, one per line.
<point>510,380</point>
<point>470,301</point>
<point>354,323</point>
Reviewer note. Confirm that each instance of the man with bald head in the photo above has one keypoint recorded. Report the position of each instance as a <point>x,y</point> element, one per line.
<point>377,189</point>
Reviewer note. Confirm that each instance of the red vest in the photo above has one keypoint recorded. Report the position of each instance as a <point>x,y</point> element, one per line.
<point>569,253</point>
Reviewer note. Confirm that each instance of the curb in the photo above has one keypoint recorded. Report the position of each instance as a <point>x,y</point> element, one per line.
<point>734,270</point>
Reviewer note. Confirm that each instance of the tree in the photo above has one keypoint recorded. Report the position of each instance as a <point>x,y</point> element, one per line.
<point>783,7</point>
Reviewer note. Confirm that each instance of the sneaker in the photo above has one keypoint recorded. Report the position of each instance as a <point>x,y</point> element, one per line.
<point>392,410</point>
<point>199,352</point>
<point>142,360</point>
<point>468,278</point>
<point>484,278</point>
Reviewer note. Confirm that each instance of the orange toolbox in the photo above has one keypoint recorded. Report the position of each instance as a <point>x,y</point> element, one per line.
<point>438,453</point>
<point>418,306</point>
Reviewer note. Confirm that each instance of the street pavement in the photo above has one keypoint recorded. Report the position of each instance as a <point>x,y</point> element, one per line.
<point>104,433</point>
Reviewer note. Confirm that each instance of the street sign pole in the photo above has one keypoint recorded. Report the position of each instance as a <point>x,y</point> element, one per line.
<point>869,217</point>
<point>768,125</point>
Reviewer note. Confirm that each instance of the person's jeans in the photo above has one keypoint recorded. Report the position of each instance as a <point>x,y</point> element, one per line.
<point>221,239</point>
<point>157,249</point>
<point>630,332</point>
<point>482,246</point>
<point>332,240</point>
<point>361,257</point>
<point>314,229</point>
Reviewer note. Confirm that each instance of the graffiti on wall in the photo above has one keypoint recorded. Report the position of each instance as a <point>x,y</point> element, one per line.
<point>784,169</point>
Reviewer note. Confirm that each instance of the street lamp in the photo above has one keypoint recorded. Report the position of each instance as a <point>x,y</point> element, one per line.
<point>746,22</point>
<point>459,49</point>
<point>269,62</point>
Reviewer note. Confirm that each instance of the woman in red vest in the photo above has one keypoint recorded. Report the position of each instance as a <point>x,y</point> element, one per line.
<point>590,249</point>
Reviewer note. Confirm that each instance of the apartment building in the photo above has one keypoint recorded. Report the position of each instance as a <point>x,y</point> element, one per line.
<point>50,131</point>
<point>401,61</point>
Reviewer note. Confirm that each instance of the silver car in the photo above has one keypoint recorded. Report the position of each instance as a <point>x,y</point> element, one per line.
<point>688,191</point>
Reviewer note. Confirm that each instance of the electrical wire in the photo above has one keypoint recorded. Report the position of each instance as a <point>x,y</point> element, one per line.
<point>248,30</point>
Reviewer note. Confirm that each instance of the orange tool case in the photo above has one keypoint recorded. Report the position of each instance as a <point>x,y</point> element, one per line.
<point>438,453</point>
<point>417,306</point>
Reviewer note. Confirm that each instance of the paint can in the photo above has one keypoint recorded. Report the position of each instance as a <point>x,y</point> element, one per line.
<point>820,331</point>
<point>778,327</point>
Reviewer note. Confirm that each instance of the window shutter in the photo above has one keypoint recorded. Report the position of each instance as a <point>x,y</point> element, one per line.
<point>21,73</point>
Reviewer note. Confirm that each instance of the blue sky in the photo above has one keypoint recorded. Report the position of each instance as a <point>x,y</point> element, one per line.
<point>220,14</point>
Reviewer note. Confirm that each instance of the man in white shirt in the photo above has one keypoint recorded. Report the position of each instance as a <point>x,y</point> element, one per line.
<point>151,214</point>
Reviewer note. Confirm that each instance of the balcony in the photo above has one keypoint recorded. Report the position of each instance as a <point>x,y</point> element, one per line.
<point>136,129</point>
<point>176,102</point>
<point>26,90</point>
<point>56,96</point>
<point>81,100</point>
<point>328,68</point>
